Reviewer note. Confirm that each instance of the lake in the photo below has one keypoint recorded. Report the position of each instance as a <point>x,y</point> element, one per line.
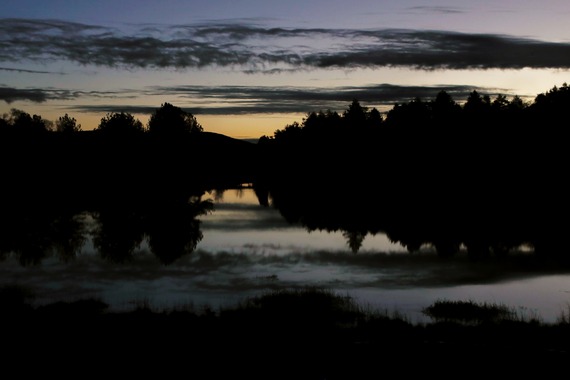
<point>243,248</point>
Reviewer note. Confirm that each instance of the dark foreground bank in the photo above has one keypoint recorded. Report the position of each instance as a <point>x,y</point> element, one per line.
<point>308,333</point>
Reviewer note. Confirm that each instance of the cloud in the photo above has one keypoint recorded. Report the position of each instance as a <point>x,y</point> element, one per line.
<point>112,108</point>
<point>36,95</point>
<point>40,95</point>
<point>254,48</point>
<point>259,99</point>
<point>10,95</point>
<point>437,9</point>
<point>446,50</point>
<point>242,100</point>
<point>238,100</point>
<point>11,69</point>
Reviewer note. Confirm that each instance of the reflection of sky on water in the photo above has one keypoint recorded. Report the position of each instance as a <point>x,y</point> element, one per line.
<point>265,253</point>
<point>240,224</point>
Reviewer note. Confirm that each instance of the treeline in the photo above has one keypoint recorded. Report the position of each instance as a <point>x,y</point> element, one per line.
<point>487,174</point>
<point>168,121</point>
<point>121,184</point>
<point>121,158</point>
<point>478,143</point>
<point>438,121</point>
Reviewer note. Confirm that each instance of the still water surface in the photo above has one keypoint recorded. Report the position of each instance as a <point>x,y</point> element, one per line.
<point>248,249</point>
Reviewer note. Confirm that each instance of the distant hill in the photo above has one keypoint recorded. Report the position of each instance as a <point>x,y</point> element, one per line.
<point>221,139</point>
<point>253,141</point>
<point>228,160</point>
<point>104,165</point>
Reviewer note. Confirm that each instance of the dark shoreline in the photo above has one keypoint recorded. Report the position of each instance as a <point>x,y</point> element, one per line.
<point>311,330</point>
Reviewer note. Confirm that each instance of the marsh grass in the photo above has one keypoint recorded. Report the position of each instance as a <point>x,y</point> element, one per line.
<point>308,305</point>
<point>564,317</point>
<point>469,312</point>
<point>305,300</point>
<point>310,319</point>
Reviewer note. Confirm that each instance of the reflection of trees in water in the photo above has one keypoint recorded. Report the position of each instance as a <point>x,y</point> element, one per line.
<point>483,229</point>
<point>486,176</point>
<point>173,230</point>
<point>69,235</point>
<point>36,233</point>
<point>354,239</point>
<point>169,226</point>
<point>27,235</point>
<point>324,206</point>
<point>118,233</point>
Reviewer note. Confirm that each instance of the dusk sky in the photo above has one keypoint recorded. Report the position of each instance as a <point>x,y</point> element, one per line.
<point>246,68</point>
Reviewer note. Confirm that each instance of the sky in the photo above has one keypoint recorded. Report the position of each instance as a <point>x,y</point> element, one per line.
<point>247,68</point>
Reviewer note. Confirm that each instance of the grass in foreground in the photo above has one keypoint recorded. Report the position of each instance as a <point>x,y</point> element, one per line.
<point>316,326</point>
<point>471,312</point>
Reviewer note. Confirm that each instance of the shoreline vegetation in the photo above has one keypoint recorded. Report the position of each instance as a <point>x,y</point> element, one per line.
<point>315,330</point>
<point>305,303</point>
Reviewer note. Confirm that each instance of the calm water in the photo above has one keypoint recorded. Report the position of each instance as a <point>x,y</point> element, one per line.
<point>248,249</point>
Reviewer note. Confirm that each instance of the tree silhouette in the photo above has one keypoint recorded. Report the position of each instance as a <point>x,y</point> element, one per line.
<point>517,104</point>
<point>5,125</point>
<point>374,118</point>
<point>67,124</point>
<point>409,116</point>
<point>23,123</point>
<point>355,116</point>
<point>444,108</point>
<point>120,124</point>
<point>476,104</point>
<point>319,125</point>
<point>501,103</point>
<point>172,121</point>
<point>361,119</point>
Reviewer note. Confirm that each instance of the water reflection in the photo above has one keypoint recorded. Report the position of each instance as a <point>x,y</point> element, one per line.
<point>117,230</point>
<point>217,247</point>
<point>244,222</point>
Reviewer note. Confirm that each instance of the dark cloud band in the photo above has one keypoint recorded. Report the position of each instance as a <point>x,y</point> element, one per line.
<point>36,95</point>
<point>11,69</point>
<point>255,48</point>
<point>40,95</point>
<point>238,100</point>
